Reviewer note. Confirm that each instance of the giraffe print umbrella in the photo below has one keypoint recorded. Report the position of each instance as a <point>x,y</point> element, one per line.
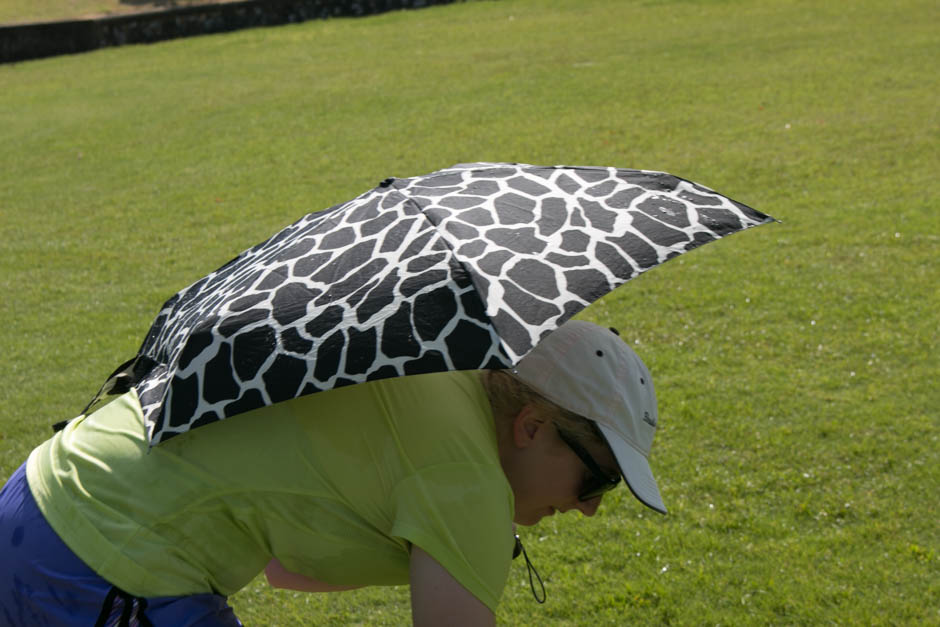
<point>464,268</point>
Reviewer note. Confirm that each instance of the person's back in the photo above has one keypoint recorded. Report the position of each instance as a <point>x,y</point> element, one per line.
<point>335,485</point>
<point>413,480</point>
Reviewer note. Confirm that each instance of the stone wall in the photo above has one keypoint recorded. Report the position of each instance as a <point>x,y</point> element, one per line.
<point>31,41</point>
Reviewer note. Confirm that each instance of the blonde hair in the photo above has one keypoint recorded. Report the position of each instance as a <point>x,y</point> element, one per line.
<point>508,395</point>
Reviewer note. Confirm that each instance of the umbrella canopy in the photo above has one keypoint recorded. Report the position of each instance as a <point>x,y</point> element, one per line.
<point>464,268</point>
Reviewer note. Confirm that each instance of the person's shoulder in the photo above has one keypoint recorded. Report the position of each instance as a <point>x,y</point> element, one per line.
<point>453,387</point>
<point>467,380</point>
<point>441,401</point>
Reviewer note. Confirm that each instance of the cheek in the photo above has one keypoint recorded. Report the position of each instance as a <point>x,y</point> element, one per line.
<point>545,479</point>
<point>533,492</point>
<point>569,471</point>
<point>562,481</point>
<point>526,484</point>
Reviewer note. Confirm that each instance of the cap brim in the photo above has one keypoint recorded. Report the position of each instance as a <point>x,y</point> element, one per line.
<point>636,470</point>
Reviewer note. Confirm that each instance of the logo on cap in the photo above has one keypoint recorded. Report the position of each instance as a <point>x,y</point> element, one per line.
<point>649,419</point>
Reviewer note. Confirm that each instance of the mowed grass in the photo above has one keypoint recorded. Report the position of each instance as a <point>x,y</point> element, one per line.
<point>20,11</point>
<point>796,364</point>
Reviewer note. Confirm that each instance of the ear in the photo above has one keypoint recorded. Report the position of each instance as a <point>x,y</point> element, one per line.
<point>526,425</point>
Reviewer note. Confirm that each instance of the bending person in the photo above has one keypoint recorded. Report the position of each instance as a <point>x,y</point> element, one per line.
<point>414,480</point>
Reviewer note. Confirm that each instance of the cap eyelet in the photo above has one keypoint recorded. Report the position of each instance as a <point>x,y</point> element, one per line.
<point>600,353</point>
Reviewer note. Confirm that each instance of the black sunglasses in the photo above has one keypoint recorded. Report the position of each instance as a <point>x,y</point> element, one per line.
<point>599,482</point>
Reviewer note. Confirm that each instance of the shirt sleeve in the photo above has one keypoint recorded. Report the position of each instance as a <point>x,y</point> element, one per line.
<point>461,515</point>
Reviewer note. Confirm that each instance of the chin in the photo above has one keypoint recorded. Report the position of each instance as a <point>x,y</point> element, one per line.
<point>528,521</point>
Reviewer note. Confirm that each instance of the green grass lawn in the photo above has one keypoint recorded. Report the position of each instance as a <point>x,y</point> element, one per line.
<point>796,364</point>
<point>18,11</point>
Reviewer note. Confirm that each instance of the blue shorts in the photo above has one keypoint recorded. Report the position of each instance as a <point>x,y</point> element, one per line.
<point>43,583</point>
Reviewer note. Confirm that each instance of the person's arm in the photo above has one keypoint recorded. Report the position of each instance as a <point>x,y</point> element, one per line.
<point>280,577</point>
<point>438,599</point>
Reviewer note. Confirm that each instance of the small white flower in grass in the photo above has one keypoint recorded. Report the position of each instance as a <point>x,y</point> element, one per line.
<point>852,373</point>
<point>664,569</point>
<point>897,235</point>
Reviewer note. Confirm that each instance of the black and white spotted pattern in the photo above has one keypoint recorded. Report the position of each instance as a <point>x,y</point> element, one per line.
<point>463,268</point>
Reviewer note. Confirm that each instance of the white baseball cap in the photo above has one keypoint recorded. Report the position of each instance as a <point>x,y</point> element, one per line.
<point>589,370</point>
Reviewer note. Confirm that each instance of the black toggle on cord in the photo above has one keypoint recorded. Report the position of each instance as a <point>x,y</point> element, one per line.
<point>517,549</point>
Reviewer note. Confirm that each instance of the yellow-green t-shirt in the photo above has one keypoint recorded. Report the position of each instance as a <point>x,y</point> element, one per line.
<point>336,485</point>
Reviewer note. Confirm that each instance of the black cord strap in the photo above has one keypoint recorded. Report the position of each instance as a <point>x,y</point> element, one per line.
<point>531,568</point>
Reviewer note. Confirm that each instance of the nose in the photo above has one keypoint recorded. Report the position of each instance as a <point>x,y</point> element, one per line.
<point>589,507</point>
